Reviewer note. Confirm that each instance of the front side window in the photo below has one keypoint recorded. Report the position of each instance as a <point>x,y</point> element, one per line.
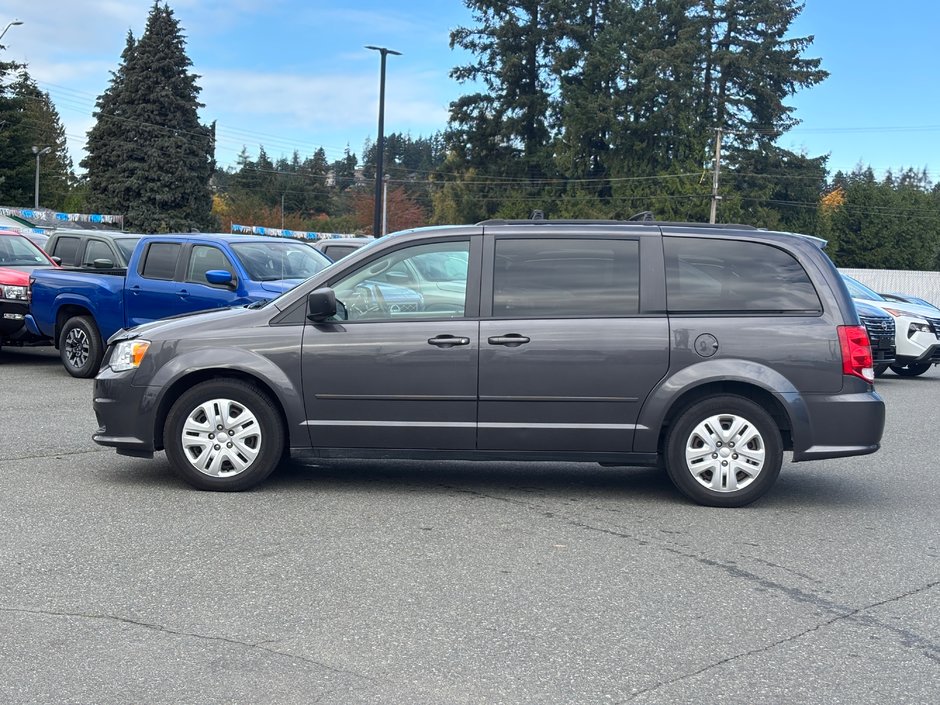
<point>161,259</point>
<point>96,249</point>
<point>577,277</point>
<point>733,276</point>
<point>402,284</point>
<point>205,258</point>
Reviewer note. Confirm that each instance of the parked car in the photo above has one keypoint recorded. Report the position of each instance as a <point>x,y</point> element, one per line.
<point>909,299</point>
<point>917,330</point>
<point>167,275</point>
<point>338,247</point>
<point>734,346</point>
<point>881,334</point>
<point>38,239</point>
<point>85,248</point>
<point>18,257</point>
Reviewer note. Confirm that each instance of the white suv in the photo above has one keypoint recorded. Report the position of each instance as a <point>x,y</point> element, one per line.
<point>917,329</point>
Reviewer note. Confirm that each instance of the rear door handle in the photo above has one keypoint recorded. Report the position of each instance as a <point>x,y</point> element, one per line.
<point>183,293</point>
<point>448,341</point>
<point>513,340</point>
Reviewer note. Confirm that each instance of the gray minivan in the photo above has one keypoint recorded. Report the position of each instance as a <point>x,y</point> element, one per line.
<point>711,350</point>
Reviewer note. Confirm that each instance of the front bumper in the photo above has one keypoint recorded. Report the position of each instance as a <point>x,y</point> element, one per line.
<point>125,414</point>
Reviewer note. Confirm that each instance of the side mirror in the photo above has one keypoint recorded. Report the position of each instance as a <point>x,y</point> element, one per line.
<point>219,277</point>
<point>57,260</point>
<point>103,264</point>
<point>321,304</point>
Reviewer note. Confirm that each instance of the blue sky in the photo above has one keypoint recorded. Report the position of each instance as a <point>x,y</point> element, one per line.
<point>293,74</point>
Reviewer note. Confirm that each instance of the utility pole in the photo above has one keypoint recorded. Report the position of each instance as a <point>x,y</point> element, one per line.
<point>380,142</point>
<point>715,196</point>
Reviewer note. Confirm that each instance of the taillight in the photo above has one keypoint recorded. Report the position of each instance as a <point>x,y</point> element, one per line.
<point>856,352</point>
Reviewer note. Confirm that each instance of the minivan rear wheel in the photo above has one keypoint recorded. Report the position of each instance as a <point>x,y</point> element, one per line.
<point>724,451</point>
<point>224,435</point>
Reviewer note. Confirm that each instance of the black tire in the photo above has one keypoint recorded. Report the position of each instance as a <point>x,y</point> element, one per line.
<point>880,370</point>
<point>912,370</point>
<point>80,347</point>
<point>691,476</point>
<point>256,440</point>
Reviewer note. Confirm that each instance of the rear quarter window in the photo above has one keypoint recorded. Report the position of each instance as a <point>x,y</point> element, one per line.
<point>731,276</point>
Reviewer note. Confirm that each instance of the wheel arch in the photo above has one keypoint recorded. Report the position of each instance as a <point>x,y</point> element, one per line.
<point>179,386</point>
<point>752,392</point>
<point>744,378</point>
<point>67,311</point>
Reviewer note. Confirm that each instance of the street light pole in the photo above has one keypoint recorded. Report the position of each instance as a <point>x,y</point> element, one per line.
<point>380,142</point>
<point>38,152</point>
<point>14,23</point>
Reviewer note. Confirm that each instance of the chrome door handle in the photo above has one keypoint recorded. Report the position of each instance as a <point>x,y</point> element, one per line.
<point>513,340</point>
<point>448,341</point>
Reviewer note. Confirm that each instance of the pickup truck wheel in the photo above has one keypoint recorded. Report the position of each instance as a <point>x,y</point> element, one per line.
<point>911,370</point>
<point>224,435</point>
<point>724,451</point>
<point>80,347</point>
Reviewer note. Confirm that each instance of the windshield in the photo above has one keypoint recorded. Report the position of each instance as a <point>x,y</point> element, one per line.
<point>126,245</point>
<point>857,290</point>
<point>271,261</point>
<point>18,251</point>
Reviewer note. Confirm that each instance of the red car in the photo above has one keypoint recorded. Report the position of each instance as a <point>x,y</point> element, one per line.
<point>18,257</point>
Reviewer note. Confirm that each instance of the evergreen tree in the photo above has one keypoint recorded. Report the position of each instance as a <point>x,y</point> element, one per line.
<point>42,121</point>
<point>157,169</point>
<point>16,165</point>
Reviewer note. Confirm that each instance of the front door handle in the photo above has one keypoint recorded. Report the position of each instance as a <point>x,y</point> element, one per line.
<point>448,341</point>
<point>182,293</point>
<point>513,340</point>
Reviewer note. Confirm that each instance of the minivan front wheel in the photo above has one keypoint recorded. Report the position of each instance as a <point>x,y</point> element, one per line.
<point>724,451</point>
<point>223,435</point>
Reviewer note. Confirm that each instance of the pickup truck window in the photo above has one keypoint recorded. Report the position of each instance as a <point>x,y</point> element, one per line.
<point>97,249</point>
<point>160,260</point>
<point>204,258</point>
<point>66,249</point>
<point>126,245</point>
<point>550,278</point>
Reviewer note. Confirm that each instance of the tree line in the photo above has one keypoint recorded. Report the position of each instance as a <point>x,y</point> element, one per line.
<point>576,108</point>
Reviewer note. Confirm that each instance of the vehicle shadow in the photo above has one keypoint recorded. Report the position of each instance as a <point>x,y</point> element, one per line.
<point>796,489</point>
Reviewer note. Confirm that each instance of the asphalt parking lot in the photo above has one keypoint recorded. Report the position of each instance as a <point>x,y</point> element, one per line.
<point>403,582</point>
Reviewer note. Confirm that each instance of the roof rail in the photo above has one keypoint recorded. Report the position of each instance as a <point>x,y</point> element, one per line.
<point>633,220</point>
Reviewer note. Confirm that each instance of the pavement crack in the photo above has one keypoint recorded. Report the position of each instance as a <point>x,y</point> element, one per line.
<point>55,455</point>
<point>854,615</point>
<point>205,637</point>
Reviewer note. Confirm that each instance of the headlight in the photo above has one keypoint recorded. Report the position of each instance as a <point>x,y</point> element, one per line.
<point>17,293</point>
<point>916,327</point>
<point>128,354</point>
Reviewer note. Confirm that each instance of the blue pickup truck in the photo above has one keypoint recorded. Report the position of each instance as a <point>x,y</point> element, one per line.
<point>78,309</point>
